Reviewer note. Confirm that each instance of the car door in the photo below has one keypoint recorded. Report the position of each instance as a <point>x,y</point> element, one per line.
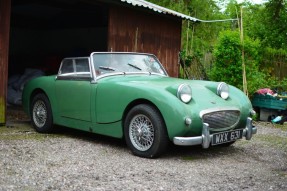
<point>73,89</point>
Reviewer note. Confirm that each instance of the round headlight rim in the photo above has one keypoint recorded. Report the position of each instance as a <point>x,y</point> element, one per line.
<point>179,93</point>
<point>220,88</point>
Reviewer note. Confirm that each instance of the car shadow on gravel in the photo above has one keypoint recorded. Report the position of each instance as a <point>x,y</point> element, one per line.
<point>90,137</point>
<point>173,151</point>
<point>197,152</point>
<point>189,152</point>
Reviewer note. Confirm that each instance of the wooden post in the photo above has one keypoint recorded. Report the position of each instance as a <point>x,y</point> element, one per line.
<point>187,38</point>
<point>243,62</point>
<point>136,40</point>
<point>5,10</point>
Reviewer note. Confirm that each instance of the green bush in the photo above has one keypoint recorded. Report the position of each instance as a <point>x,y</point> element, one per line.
<point>228,61</point>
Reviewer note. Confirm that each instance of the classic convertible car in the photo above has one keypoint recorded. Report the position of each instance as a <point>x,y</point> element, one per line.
<point>130,96</point>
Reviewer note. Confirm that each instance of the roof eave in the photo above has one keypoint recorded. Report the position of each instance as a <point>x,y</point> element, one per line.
<point>159,9</point>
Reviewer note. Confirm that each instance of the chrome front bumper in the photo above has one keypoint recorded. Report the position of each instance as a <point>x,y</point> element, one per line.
<point>205,138</point>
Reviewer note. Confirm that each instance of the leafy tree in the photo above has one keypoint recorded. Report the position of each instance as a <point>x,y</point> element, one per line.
<point>266,22</point>
<point>228,61</point>
<point>276,24</point>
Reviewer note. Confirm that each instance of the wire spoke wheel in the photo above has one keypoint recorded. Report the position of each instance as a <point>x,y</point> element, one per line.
<point>141,132</point>
<point>39,113</point>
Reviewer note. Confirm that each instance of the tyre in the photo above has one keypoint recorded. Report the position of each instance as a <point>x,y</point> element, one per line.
<point>41,114</point>
<point>145,131</point>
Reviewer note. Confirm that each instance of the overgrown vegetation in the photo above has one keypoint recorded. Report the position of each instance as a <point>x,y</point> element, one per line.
<point>214,50</point>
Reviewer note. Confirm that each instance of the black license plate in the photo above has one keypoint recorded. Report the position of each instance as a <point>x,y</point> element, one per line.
<point>227,136</point>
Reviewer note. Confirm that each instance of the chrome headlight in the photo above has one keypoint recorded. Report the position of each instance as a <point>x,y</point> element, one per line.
<point>223,90</point>
<point>184,93</point>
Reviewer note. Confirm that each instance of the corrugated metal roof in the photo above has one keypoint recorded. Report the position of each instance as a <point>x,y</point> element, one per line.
<point>163,10</point>
<point>159,9</point>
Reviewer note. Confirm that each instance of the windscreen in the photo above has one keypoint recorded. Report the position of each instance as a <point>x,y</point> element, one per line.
<point>126,62</point>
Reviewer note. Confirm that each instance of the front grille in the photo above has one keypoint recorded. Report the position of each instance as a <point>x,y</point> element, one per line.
<point>221,119</point>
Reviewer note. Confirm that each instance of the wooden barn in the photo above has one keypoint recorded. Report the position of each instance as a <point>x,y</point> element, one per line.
<point>39,33</point>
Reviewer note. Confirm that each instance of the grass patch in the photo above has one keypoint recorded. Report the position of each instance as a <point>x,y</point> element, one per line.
<point>23,132</point>
<point>283,127</point>
<point>273,140</point>
<point>283,173</point>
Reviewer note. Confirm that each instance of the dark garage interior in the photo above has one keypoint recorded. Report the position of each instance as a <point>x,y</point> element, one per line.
<point>44,32</point>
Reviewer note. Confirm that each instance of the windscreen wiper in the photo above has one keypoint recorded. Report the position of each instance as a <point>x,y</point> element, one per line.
<point>107,68</point>
<point>134,66</point>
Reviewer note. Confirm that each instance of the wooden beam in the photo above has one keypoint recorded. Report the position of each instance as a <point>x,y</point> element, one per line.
<point>242,56</point>
<point>5,10</point>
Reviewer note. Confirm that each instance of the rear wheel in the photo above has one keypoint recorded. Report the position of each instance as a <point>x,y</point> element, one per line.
<point>41,113</point>
<point>145,131</point>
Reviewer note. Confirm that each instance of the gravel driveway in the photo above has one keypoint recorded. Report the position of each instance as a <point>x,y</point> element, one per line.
<point>72,160</point>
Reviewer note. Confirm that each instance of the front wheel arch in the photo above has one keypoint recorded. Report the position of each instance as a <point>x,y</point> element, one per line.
<point>33,94</point>
<point>135,103</point>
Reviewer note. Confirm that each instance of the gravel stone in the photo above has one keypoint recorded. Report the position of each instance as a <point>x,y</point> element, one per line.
<point>84,161</point>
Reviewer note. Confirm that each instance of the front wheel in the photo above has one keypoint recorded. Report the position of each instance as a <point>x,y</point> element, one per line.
<point>145,131</point>
<point>41,113</point>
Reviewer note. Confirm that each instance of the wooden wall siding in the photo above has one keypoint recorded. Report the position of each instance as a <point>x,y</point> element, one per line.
<point>5,7</point>
<point>135,31</point>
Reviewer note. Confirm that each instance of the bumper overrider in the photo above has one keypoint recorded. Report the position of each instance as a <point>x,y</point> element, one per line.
<point>206,137</point>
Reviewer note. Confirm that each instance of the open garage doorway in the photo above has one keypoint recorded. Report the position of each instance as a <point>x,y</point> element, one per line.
<point>43,32</point>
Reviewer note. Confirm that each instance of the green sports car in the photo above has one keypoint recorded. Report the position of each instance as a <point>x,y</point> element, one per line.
<point>130,96</point>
